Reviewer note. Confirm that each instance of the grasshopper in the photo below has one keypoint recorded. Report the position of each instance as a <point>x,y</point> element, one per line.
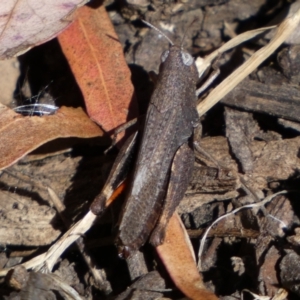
<point>165,157</point>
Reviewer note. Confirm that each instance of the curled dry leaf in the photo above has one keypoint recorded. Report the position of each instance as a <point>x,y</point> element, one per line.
<point>21,135</point>
<point>177,255</point>
<point>96,58</point>
<point>27,23</point>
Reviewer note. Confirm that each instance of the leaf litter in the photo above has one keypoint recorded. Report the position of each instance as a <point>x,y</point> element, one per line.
<point>25,24</point>
<point>268,156</point>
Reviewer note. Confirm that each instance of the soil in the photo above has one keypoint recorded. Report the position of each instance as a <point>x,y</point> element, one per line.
<point>251,137</point>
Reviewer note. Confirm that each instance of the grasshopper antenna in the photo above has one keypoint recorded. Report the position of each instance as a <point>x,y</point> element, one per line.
<point>159,31</point>
<point>186,30</point>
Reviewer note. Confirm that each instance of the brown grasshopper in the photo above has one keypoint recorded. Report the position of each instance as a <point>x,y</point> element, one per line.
<point>165,159</point>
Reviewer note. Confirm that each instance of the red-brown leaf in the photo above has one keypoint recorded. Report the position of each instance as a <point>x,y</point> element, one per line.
<point>96,58</point>
<point>178,259</point>
<point>20,135</point>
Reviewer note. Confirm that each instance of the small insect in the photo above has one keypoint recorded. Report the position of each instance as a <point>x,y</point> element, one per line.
<point>36,109</point>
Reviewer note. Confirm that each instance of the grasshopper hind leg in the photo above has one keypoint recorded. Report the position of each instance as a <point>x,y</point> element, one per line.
<point>181,172</point>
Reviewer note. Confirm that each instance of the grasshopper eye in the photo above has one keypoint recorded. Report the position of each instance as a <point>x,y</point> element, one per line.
<point>187,59</point>
<point>164,56</point>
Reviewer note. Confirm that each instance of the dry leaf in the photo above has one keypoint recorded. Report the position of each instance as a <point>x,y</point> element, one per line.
<point>96,58</point>
<point>20,135</point>
<point>177,255</point>
<point>27,23</point>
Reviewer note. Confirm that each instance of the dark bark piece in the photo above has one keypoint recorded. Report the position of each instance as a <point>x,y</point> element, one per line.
<point>220,149</point>
<point>191,202</point>
<point>278,212</point>
<point>136,264</point>
<point>270,76</point>
<point>289,61</point>
<point>279,218</point>
<point>290,272</point>
<point>209,183</point>
<point>210,179</point>
<point>203,215</point>
<point>268,273</point>
<point>18,278</point>
<point>146,287</point>
<point>210,256</point>
<point>240,130</point>
<point>275,160</point>
<point>281,101</point>
<point>36,285</point>
<point>142,295</point>
<point>224,232</point>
